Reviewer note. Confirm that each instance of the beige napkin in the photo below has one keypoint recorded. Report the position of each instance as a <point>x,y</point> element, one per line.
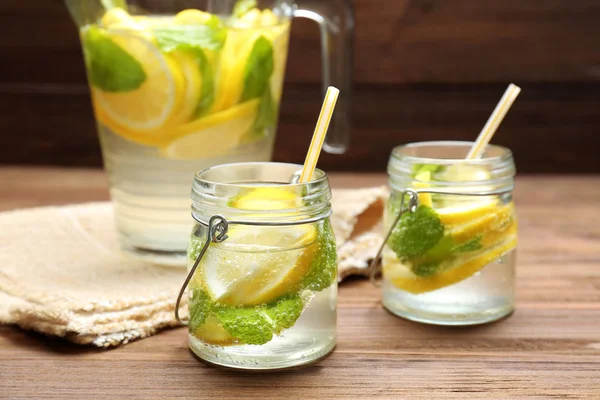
<point>62,274</point>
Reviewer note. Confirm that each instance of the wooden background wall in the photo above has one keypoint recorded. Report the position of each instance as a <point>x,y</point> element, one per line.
<point>424,70</point>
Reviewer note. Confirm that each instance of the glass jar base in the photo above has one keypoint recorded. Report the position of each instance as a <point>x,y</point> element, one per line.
<point>456,316</point>
<point>272,356</point>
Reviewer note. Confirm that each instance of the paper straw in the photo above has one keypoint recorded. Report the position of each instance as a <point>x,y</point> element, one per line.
<point>310,163</point>
<point>494,122</point>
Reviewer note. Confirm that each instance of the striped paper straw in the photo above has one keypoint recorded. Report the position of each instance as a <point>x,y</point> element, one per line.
<point>494,121</point>
<point>310,163</point>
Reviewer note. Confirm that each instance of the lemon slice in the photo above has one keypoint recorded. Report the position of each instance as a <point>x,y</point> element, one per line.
<point>464,267</point>
<point>249,19</point>
<point>421,183</point>
<point>280,35</point>
<point>190,68</point>
<point>234,58</point>
<point>116,16</point>
<point>211,136</point>
<point>464,214</point>
<point>212,332</point>
<point>464,173</point>
<point>457,209</point>
<point>152,104</point>
<point>256,266</point>
<point>119,19</point>
<point>266,198</point>
<point>192,17</point>
<point>482,221</point>
<point>268,18</point>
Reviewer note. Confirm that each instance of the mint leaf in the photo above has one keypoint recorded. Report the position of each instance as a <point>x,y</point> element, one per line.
<point>416,233</point>
<point>426,269</point>
<point>214,22</point>
<point>471,245</point>
<point>437,258</point>
<point>259,69</point>
<point>266,116</point>
<point>189,37</point>
<point>200,307</point>
<point>323,271</point>
<point>433,168</point>
<point>195,247</point>
<point>109,67</point>
<point>207,97</point>
<point>441,250</point>
<point>241,7</point>
<point>248,325</point>
<point>257,325</point>
<point>285,312</point>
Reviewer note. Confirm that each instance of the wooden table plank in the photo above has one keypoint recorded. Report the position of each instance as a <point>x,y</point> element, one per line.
<point>550,347</point>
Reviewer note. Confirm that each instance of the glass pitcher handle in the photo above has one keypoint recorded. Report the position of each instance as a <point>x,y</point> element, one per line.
<point>336,24</point>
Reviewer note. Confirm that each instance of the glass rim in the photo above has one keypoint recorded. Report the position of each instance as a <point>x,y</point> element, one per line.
<point>214,188</point>
<point>200,176</point>
<point>499,163</point>
<point>506,153</point>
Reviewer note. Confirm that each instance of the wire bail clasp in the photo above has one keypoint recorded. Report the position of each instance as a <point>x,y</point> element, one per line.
<point>217,233</point>
<point>413,203</point>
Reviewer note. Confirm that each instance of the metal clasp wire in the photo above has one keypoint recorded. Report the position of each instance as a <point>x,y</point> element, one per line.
<point>413,203</point>
<point>218,227</point>
<point>217,233</point>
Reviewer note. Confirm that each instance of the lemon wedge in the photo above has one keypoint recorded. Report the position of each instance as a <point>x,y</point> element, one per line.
<point>213,135</point>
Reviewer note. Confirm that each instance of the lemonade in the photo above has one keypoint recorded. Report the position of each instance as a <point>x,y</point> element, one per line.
<point>451,261</point>
<point>173,94</point>
<point>266,296</point>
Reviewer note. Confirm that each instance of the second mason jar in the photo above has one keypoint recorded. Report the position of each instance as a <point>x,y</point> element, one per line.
<point>264,294</point>
<point>451,259</point>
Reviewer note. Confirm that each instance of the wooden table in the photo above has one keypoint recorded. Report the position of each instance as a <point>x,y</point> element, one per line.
<point>550,347</point>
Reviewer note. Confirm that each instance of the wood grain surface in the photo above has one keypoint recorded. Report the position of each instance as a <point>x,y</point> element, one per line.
<point>423,70</point>
<point>549,348</point>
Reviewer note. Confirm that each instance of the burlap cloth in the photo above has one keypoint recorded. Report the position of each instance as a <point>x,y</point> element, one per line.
<point>62,274</point>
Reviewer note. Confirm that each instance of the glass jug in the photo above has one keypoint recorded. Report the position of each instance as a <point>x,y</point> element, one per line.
<point>178,86</point>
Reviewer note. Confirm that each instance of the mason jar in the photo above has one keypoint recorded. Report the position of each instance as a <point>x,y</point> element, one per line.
<point>264,294</point>
<point>450,257</point>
